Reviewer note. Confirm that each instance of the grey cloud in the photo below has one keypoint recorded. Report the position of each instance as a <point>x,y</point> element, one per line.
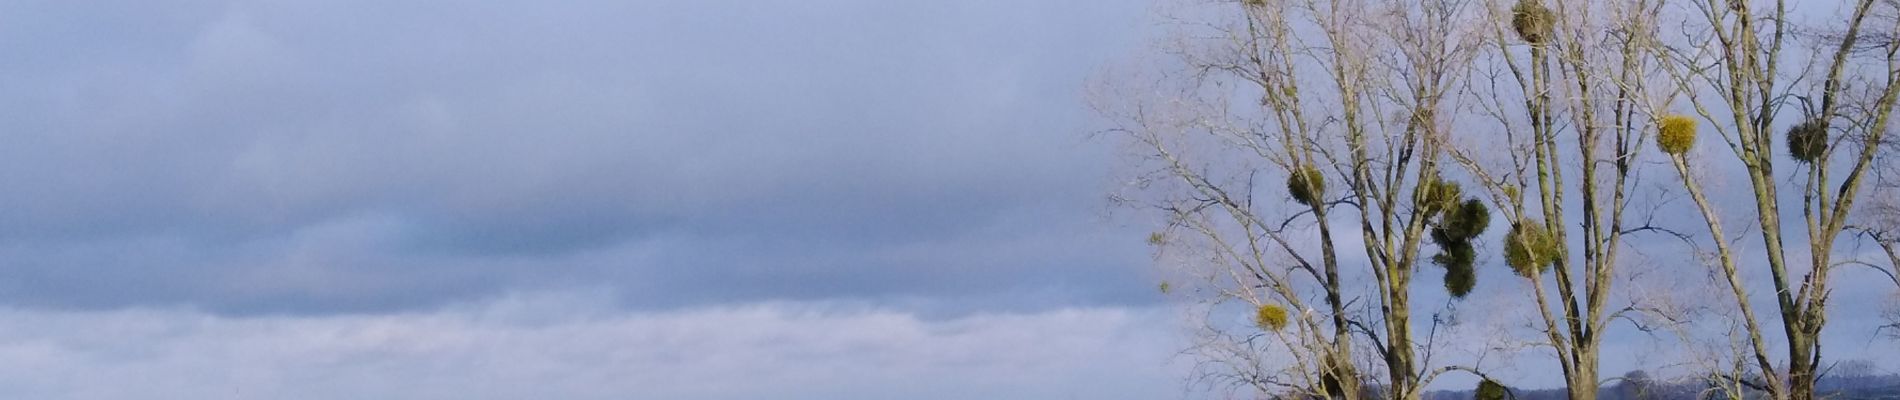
<point>196,153</point>
<point>574,347</point>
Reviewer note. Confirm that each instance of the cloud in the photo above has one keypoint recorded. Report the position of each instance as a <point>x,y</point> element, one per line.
<point>576,347</point>
<point>320,157</point>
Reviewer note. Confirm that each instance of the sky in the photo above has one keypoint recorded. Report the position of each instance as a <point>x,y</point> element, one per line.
<point>567,199</point>
<point>814,199</point>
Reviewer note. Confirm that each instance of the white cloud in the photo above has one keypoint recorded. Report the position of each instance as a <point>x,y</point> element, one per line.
<point>574,347</point>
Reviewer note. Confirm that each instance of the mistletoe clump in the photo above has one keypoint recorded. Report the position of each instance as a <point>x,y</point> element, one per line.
<point>1675,133</point>
<point>1466,221</point>
<point>1459,281</point>
<point>1807,141</point>
<point>1457,225</point>
<point>1440,194</point>
<point>1270,317</point>
<point>1532,21</point>
<point>1307,186</point>
<point>1490,390</point>
<point>1529,248</point>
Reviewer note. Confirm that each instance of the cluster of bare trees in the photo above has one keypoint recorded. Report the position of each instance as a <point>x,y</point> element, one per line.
<point>1308,159</point>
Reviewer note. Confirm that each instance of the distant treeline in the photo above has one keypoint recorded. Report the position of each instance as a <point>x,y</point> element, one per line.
<point>1841,388</point>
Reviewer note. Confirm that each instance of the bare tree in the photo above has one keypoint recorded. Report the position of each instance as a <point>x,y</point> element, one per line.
<point>1579,72</point>
<point>1345,102</point>
<point>1730,71</point>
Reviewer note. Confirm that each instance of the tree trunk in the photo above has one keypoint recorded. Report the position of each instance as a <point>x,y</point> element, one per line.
<point>1399,361</point>
<point>1801,368</point>
<point>1582,383</point>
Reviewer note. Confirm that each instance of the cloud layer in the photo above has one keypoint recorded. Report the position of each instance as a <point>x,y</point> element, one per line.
<point>367,156</point>
<point>576,347</point>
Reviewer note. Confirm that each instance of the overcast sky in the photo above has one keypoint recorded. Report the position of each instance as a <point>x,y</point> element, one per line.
<point>803,199</point>
<point>314,157</point>
<point>567,199</point>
